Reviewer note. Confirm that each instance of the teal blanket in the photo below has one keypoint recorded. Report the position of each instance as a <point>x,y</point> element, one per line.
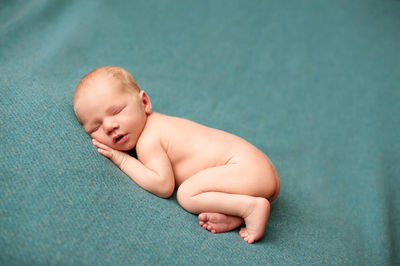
<point>314,84</point>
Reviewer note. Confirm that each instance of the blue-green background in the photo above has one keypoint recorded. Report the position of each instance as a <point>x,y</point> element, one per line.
<point>313,84</point>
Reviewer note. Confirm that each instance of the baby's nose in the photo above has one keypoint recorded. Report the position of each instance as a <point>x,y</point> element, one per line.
<point>110,125</point>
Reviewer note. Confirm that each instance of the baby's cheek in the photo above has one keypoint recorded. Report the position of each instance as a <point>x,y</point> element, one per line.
<point>99,138</point>
<point>93,136</point>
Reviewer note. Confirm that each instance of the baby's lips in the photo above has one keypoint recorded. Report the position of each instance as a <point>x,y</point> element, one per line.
<point>118,137</point>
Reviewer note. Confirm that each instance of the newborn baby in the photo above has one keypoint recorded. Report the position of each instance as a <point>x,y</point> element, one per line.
<point>221,177</point>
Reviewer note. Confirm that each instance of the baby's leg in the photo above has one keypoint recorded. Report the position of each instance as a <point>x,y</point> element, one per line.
<point>231,191</point>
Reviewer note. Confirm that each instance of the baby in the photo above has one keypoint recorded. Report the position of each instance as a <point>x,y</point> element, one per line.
<point>221,177</point>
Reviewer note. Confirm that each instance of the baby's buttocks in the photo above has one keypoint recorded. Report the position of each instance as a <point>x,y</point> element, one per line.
<point>256,166</point>
<point>192,147</point>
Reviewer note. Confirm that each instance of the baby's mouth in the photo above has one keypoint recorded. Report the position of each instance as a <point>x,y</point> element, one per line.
<point>119,138</point>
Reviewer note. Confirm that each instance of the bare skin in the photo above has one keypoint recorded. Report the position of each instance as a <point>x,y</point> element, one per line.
<point>218,222</point>
<point>221,177</point>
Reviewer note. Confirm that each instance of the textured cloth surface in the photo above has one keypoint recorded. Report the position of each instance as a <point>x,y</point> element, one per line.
<point>313,84</point>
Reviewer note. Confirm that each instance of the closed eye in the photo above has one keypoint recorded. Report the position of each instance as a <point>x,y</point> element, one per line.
<point>94,129</point>
<point>113,110</point>
<point>118,110</point>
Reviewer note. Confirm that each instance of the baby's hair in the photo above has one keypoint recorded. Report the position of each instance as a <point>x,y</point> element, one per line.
<point>117,72</point>
<point>129,83</point>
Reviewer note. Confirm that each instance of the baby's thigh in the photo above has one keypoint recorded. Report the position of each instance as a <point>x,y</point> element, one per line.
<point>231,178</point>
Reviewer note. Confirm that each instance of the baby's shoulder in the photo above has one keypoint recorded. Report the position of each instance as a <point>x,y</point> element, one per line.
<point>164,124</point>
<point>153,131</point>
<point>157,123</point>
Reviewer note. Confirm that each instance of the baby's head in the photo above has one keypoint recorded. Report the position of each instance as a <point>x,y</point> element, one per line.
<point>111,107</point>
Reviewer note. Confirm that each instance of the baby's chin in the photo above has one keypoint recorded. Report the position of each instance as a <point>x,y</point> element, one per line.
<point>126,148</point>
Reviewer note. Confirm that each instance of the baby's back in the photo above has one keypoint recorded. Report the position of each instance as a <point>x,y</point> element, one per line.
<point>192,147</point>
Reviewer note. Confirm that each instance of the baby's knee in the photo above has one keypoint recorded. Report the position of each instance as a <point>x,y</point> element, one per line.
<point>185,195</point>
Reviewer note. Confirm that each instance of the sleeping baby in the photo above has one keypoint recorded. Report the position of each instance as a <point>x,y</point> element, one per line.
<point>221,177</point>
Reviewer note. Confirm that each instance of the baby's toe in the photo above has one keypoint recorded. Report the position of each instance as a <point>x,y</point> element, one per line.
<point>202,217</point>
<point>246,236</point>
<point>243,232</point>
<point>250,239</point>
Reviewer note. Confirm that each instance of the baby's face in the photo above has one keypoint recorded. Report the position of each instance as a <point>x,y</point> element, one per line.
<point>112,115</point>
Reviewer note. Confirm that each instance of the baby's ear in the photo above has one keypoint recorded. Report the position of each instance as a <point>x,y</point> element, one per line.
<point>146,102</point>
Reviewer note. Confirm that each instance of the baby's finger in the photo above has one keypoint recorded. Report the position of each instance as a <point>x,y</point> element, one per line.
<point>105,153</point>
<point>100,145</point>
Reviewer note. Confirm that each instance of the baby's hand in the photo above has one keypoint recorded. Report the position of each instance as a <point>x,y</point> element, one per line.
<point>119,158</point>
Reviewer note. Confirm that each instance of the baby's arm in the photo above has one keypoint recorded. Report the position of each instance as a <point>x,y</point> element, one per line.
<point>154,175</point>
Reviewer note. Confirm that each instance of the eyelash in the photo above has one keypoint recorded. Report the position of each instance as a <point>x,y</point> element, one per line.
<point>117,111</point>
<point>94,129</point>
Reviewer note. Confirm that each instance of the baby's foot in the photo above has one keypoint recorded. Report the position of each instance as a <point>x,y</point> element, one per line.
<point>218,222</point>
<point>256,221</point>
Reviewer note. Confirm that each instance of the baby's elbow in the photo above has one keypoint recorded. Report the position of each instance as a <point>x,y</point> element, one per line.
<point>165,193</point>
<point>166,190</point>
